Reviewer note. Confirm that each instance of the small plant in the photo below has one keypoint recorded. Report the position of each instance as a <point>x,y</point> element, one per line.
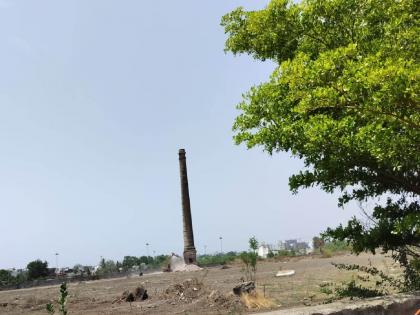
<point>325,252</point>
<point>62,301</point>
<point>50,308</point>
<point>250,259</point>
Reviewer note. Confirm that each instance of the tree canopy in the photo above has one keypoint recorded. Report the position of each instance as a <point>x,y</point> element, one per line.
<point>344,98</point>
<point>37,269</point>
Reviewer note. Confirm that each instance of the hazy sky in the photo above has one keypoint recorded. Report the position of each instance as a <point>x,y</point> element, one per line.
<point>96,98</point>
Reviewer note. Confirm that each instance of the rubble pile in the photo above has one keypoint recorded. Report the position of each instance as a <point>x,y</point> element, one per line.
<point>186,291</point>
<point>192,291</point>
<point>177,264</point>
<point>139,294</point>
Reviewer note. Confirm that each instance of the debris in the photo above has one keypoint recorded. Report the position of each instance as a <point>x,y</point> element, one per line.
<point>245,287</point>
<point>284,273</point>
<point>187,291</point>
<point>177,264</point>
<point>193,291</point>
<point>130,298</point>
<point>139,294</point>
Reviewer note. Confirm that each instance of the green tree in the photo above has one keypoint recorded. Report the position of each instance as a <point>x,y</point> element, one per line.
<point>249,259</point>
<point>130,261</point>
<point>344,98</point>
<point>37,269</point>
<point>107,266</point>
<point>253,244</point>
<point>5,277</point>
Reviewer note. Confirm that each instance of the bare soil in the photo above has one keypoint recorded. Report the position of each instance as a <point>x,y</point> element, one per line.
<point>208,291</point>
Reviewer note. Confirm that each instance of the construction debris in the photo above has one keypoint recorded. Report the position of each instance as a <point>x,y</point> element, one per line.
<point>186,291</point>
<point>245,287</point>
<point>285,273</point>
<point>177,264</point>
<point>193,291</point>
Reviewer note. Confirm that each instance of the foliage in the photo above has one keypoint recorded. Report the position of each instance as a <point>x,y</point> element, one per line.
<point>349,289</point>
<point>62,301</point>
<point>78,268</point>
<point>50,308</point>
<point>344,98</point>
<point>370,282</point>
<point>395,228</point>
<point>287,253</point>
<point>154,262</point>
<point>37,269</point>
<point>107,267</point>
<point>5,277</point>
<point>253,244</point>
<point>249,260</point>
<point>337,246</point>
<point>326,253</point>
<point>329,248</point>
<point>218,259</point>
<point>271,254</point>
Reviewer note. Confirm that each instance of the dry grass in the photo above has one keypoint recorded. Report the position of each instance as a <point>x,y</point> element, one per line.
<point>256,300</point>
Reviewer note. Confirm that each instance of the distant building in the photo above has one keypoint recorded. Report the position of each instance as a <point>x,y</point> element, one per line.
<point>288,245</point>
<point>295,245</point>
<point>281,245</point>
<point>263,250</point>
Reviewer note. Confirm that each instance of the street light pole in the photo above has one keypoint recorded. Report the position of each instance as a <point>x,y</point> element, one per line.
<point>221,244</point>
<point>56,260</point>
<point>147,248</point>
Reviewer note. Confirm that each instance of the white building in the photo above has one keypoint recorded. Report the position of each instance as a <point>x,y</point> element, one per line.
<point>263,251</point>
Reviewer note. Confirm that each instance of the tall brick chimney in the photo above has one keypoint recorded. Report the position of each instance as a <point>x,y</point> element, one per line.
<point>189,249</point>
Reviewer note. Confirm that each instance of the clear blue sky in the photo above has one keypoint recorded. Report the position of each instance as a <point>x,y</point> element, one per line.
<point>96,98</point>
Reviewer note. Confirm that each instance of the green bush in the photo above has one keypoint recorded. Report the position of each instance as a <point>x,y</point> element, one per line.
<point>218,259</point>
<point>37,269</point>
<point>337,246</point>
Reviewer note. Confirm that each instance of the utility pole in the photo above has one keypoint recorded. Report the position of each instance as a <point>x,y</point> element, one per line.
<point>147,249</point>
<point>56,261</point>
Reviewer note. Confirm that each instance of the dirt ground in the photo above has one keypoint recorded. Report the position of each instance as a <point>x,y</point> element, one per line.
<point>208,293</point>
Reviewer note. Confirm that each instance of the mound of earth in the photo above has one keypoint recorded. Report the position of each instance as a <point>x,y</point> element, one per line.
<point>194,292</point>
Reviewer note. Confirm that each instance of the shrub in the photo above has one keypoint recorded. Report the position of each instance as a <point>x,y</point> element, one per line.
<point>62,301</point>
<point>250,259</point>
<point>37,269</point>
